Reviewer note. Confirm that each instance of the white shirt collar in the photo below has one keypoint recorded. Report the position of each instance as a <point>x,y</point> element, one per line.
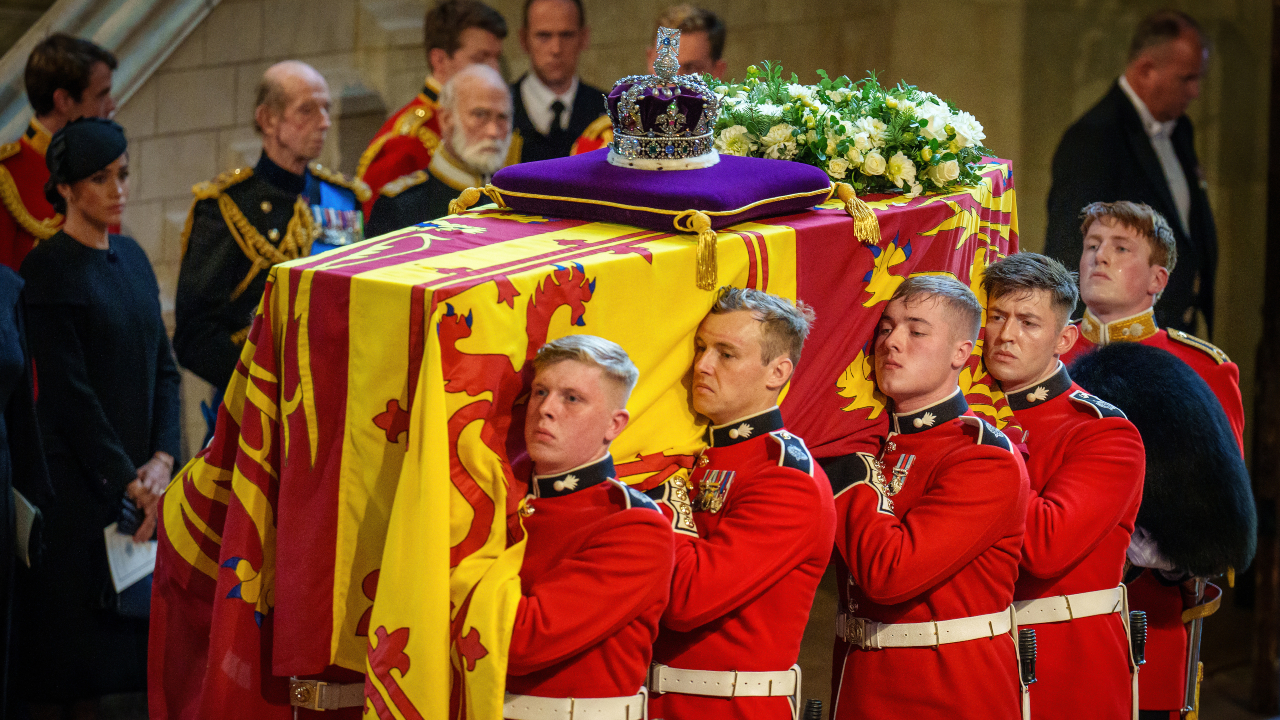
<point>538,99</point>
<point>1153,127</point>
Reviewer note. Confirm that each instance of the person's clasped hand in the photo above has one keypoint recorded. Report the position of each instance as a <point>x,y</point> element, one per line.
<point>146,490</point>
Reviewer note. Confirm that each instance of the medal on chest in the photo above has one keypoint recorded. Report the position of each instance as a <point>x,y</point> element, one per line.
<point>713,488</point>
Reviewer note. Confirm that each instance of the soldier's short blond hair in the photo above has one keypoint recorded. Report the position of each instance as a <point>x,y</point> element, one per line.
<point>784,326</point>
<point>614,363</point>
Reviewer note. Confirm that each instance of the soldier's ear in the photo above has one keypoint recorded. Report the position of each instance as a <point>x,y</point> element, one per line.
<point>1159,279</point>
<point>1066,339</point>
<point>617,424</point>
<point>779,372</point>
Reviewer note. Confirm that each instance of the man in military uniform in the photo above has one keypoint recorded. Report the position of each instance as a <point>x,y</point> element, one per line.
<point>597,566</point>
<point>556,115</point>
<point>1129,251</point>
<point>458,33</point>
<point>66,78</point>
<point>247,220</point>
<point>750,554</point>
<point>475,122</point>
<point>1086,466</point>
<point>928,549</point>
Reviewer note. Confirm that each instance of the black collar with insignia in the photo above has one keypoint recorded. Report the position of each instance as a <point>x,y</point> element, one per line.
<point>1041,392</point>
<point>939,413</point>
<point>579,478</point>
<point>745,428</point>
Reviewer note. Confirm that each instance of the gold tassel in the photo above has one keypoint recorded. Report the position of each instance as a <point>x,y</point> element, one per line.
<point>1231,576</point>
<point>865,225</point>
<point>708,267</point>
<point>469,197</point>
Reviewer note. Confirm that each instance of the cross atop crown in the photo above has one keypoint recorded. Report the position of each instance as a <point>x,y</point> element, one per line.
<point>667,65</point>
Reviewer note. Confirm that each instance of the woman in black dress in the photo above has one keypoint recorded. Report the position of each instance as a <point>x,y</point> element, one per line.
<point>107,397</point>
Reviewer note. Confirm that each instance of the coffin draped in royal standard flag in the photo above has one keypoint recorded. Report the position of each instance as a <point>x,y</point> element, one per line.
<point>348,518</point>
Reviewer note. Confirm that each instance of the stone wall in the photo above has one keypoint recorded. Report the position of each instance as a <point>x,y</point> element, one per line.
<point>1025,68</point>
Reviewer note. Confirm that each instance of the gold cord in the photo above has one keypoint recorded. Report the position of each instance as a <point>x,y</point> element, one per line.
<point>12,200</point>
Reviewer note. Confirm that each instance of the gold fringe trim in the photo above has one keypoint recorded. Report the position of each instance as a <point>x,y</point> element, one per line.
<point>866,227</point>
<point>333,177</point>
<point>708,266</point>
<point>12,200</point>
<point>296,243</point>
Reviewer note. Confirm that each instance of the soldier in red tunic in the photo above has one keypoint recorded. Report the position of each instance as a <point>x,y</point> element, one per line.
<point>458,33</point>
<point>929,553</point>
<point>597,567</point>
<point>1129,251</point>
<point>66,78</point>
<point>1086,466</point>
<point>751,553</point>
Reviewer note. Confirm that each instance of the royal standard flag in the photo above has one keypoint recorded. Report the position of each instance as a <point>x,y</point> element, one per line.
<point>348,521</point>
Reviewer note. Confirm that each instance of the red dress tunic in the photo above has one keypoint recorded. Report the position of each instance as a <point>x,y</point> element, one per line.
<point>1086,465</point>
<point>27,216</point>
<point>743,586</point>
<point>595,579</point>
<point>946,545</point>
<point>404,144</point>
<point>1162,681</point>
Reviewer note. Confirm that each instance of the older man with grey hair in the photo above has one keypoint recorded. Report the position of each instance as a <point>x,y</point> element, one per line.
<point>475,122</point>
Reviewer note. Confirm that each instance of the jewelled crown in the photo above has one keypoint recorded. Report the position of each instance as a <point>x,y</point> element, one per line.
<point>663,121</point>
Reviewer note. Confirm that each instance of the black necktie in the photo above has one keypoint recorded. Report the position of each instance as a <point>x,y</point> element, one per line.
<point>557,110</point>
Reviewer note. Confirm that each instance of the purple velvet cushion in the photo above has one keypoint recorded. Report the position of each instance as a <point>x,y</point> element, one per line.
<point>587,187</point>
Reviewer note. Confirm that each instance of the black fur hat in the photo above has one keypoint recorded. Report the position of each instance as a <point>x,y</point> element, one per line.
<point>1196,500</point>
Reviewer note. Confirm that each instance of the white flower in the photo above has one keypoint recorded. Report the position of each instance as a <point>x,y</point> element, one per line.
<point>901,170</point>
<point>944,172</point>
<point>874,129</point>
<point>873,163</point>
<point>905,105</point>
<point>809,138</point>
<point>916,189</point>
<point>736,140</point>
<point>722,90</point>
<point>968,129</point>
<point>936,117</point>
<point>769,110</point>
<point>799,92</point>
<point>837,168</point>
<point>778,143</point>
<point>862,141</point>
<point>854,156</point>
<point>839,95</point>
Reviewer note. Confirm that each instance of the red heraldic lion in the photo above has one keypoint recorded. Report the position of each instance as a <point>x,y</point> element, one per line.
<point>744,582</point>
<point>595,580</point>
<point>28,217</point>
<point>1086,465</point>
<point>1211,364</point>
<point>404,144</point>
<point>927,559</point>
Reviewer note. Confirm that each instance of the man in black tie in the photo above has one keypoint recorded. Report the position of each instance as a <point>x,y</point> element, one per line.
<point>1136,144</point>
<point>556,115</point>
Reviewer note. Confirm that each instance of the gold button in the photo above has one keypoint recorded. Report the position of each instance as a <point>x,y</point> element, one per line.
<point>266,206</point>
<point>420,112</point>
<point>274,234</point>
<point>703,460</point>
<point>526,511</point>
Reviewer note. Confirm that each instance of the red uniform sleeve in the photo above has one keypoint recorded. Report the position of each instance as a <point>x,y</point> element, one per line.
<point>1085,499</point>
<point>1224,381</point>
<point>594,593</point>
<point>399,156</point>
<point>969,507</point>
<point>767,527</point>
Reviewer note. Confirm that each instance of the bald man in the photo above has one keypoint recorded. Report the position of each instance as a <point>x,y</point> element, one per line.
<point>475,122</point>
<point>285,207</point>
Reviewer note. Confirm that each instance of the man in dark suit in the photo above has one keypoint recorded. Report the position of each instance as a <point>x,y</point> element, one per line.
<point>556,115</point>
<point>1137,144</point>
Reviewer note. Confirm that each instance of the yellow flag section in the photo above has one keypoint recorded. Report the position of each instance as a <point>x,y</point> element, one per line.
<point>488,311</point>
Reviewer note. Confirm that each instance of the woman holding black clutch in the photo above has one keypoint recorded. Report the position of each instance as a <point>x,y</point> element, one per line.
<point>107,397</point>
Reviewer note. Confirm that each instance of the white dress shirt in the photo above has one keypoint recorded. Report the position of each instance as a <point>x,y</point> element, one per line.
<point>1161,135</point>
<point>537,98</point>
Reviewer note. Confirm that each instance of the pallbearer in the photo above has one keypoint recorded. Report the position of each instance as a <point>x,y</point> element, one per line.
<point>929,547</point>
<point>1086,466</point>
<point>752,551</point>
<point>597,568</point>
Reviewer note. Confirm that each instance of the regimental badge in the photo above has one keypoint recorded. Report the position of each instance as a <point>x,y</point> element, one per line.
<point>713,488</point>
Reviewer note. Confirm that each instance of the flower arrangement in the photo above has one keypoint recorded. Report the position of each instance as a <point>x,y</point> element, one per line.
<point>877,139</point>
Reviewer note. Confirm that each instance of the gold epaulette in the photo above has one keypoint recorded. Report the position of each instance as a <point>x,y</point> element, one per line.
<point>410,123</point>
<point>333,177</point>
<point>1203,346</point>
<point>12,201</point>
<point>211,190</point>
<point>597,127</point>
<point>404,182</point>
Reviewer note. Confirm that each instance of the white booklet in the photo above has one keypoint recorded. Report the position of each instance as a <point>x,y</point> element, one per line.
<point>130,561</point>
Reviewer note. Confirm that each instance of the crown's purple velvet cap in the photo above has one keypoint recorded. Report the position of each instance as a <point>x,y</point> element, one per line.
<point>654,101</point>
<point>733,183</point>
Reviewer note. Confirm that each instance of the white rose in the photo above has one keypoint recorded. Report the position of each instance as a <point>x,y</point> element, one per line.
<point>874,129</point>
<point>839,95</point>
<point>936,117</point>
<point>809,138</point>
<point>837,168</point>
<point>862,141</point>
<point>736,140</point>
<point>968,129</point>
<point>873,163</point>
<point>854,156</point>
<point>944,172</point>
<point>901,170</point>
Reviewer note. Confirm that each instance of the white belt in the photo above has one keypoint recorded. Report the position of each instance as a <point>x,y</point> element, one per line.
<point>1062,608</point>
<point>321,695</point>
<point>530,707</point>
<point>727,683</point>
<point>869,635</point>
